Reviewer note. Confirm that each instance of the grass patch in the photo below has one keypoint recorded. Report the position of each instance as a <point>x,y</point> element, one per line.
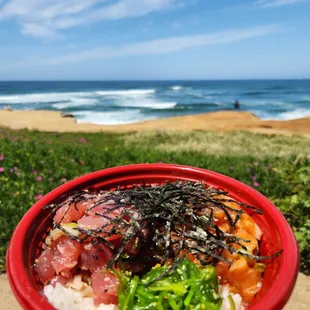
<point>32,163</point>
<point>236,143</point>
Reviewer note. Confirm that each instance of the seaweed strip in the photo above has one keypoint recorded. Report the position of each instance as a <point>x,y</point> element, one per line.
<point>178,216</point>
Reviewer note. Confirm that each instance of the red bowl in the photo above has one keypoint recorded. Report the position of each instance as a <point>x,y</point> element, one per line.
<point>280,275</point>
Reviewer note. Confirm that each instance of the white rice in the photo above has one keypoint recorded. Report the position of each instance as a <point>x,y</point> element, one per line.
<point>224,292</point>
<point>63,298</point>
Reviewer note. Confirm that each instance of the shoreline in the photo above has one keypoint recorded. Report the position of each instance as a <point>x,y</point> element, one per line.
<point>54,121</point>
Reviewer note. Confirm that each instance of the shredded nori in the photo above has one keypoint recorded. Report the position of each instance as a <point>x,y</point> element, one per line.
<point>178,218</point>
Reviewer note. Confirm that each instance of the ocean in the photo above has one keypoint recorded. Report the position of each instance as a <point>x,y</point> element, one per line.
<point>123,102</point>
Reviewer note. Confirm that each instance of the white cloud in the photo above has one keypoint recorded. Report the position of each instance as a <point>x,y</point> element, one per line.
<point>50,16</point>
<point>39,31</point>
<point>41,9</point>
<point>66,23</point>
<point>131,8</point>
<point>164,46</point>
<point>277,3</point>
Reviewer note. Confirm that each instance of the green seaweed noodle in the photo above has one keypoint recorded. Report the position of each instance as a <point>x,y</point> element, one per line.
<point>189,286</point>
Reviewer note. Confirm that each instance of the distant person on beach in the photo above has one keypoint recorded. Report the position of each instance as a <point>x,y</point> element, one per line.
<point>237,105</point>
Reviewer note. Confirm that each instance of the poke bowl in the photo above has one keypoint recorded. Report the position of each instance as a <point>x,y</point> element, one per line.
<point>276,240</point>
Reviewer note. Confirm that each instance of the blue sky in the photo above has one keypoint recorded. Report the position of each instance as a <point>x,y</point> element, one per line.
<point>154,39</point>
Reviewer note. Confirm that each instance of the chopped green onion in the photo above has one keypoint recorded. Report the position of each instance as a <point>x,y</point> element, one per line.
<point>260,267</point>
<point>231,302</point>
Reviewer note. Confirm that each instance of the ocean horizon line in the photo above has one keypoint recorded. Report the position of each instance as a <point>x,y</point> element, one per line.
<point>158,80</point>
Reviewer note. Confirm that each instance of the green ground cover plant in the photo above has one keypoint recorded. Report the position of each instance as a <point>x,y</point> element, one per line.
<point>32,163</point>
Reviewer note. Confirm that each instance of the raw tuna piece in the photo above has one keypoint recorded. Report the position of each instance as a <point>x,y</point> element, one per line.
<point>95,257</point>
<point>104,284</point>
<point>92,222</point>
<point>98,217</point>
<point>66,252</point>
<point>102,208</point>
<point>133,246</point>
<point>72,212</point>
<point>68,247</point>
<point>44,268</point>
<point>62,279</point>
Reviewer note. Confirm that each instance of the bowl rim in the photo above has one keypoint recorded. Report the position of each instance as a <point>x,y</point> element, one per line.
<point>25,293</point>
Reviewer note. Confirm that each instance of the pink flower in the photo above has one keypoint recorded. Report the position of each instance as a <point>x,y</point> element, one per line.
<point>34,171</point>
<point>83,140</point>
<point>38,197</point>
<point>1,157</point>
<point>17,173</point>
<point>39,179</point>
<point>254,177</point>
<point>64,180</point>
<point>11,170</point>
<point>256,184</point>
<point>15,168</point>
<point>2,169</point>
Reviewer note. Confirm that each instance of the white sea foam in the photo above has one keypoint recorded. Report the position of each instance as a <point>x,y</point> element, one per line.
<point>177,87</point>
<point>198,94</point>
<point>111,118</point>
<point>284,116</point>
<point>214,92</point>
<point>290,115</point>
<point>75,102</point>
<point>268,102</point>
<point>129,92</point>
<point>147,103</point>
<point>67,96</point>
<point>42,97</point>
<point>306,98</point>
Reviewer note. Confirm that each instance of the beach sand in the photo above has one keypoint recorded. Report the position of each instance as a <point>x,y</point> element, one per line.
<point>218,121</point>
<point>300,299</point>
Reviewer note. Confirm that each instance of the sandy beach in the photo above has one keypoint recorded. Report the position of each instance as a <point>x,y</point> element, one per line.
<point>218,121</point>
